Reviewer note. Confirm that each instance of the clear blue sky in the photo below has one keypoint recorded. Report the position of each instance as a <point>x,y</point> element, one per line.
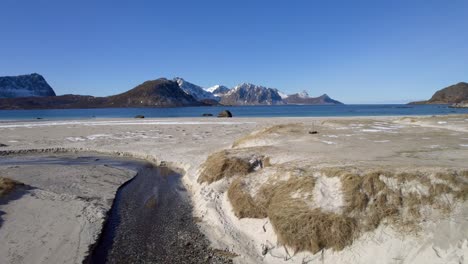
<point>355,51</point>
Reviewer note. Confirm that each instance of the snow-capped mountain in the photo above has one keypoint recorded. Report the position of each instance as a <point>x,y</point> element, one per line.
<point>251,94</point>
<point>194,90</point>
<point>218,90</point>
<point>30,85</point>
<point>303,94</point>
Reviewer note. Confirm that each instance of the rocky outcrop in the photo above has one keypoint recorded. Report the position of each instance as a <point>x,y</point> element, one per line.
<point>460,105</point>
<point>24,86</point>
<point>453,94</point>
<point>225,113</point>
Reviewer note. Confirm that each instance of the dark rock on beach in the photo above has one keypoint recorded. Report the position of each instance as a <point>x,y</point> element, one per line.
<point>225,113</point>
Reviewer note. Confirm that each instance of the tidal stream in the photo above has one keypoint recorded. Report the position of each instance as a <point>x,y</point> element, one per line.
<point>151,217</point>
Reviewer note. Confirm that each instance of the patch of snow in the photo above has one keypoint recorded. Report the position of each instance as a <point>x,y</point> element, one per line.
<point>371,130</point>
<point>93,137</point>
<point>283,95</point>
<point>212,88</point>
<point>327,194</point>
<point>75,139</point>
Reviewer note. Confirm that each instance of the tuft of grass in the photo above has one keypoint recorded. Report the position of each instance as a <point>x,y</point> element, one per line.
<point>221,165</point>
<point>303,228</point>
<point>242,202</point>
<point>7,185</point>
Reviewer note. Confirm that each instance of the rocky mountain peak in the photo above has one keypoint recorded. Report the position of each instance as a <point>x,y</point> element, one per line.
<point>30,85</point>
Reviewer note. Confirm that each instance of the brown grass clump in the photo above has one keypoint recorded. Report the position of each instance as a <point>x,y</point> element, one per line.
<point>220,165</point>
<point>242,203</point>
<point>303,228</point>
<point>7,185</point>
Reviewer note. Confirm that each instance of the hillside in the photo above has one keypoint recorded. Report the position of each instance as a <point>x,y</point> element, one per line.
<point>155,93</point>
<point>453,94</point>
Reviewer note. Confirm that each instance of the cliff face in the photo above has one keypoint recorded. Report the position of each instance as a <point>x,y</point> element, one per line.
<point>453,94</point>
<point>24,86</point>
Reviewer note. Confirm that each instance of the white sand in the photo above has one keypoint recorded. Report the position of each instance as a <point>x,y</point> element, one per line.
<point>58,220</point>
<point>186,142</point>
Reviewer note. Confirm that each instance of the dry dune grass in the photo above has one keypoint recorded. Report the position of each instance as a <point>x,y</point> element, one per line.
<point>220,165</point>
<point>368,202</point>
<point>370,199</point>
<point>300,226</point>
<point>303,228</point>
<point>243,204</point>
<point>7,185</point>
<point>269,131</point>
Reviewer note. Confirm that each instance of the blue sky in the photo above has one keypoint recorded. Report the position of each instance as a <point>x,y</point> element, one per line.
<point>355,51</point>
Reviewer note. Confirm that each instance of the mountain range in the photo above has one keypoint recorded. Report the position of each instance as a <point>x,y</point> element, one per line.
<point>33,92</point>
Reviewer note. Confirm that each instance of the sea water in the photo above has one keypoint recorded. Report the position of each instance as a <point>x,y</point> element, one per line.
<point>237,111</point>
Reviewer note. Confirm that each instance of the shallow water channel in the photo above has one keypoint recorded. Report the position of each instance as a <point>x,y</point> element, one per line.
<point>151,217</point>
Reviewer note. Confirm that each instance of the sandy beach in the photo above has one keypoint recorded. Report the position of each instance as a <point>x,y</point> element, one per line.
<point>287,148</point>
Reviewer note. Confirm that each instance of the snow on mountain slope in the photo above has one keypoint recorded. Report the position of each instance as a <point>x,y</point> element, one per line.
<point>194,90</point>
<point>283,95</point>
<point>218,90</point>
<point>24,86</point>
